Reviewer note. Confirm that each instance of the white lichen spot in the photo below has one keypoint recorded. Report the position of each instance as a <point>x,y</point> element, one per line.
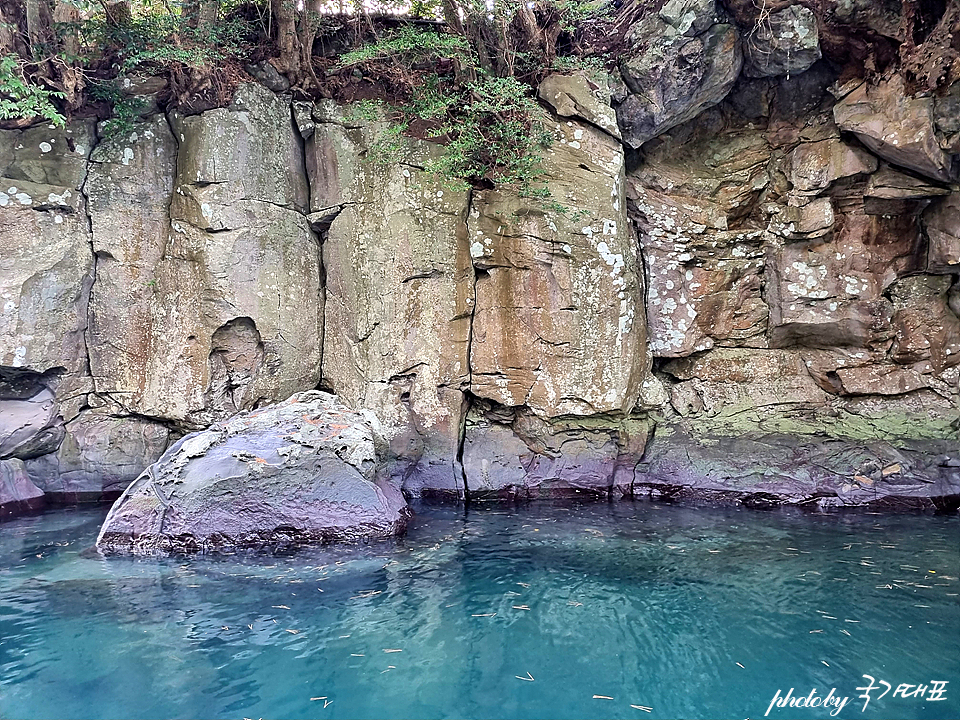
<point>127,156</point>
<point>45,147</point>
<point>57,219</point>
<point>476,250</point>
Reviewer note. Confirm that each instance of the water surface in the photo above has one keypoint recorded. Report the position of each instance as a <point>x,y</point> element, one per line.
<point>693,612</point>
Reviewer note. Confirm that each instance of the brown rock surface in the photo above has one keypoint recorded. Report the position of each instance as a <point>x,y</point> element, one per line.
<point>558,325</point>
<point>896,126</point>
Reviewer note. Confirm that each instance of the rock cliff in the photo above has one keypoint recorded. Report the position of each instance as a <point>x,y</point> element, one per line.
<point>748,286</point>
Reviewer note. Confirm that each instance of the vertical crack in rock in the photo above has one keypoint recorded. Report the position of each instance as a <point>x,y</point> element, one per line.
<point>302,143</point>
<point>173,191</point>
<point>467,395</point>
<point>90,281</point>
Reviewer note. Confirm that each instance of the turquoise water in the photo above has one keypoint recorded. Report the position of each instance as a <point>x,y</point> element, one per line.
<point>693,612</point>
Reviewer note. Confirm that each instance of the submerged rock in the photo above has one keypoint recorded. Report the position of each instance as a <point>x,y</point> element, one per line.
<point>300,471</point>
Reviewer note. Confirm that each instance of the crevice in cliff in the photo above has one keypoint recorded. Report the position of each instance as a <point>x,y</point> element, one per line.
<point>86,291</point>
<point>302,144</point>
<point>467,394</point>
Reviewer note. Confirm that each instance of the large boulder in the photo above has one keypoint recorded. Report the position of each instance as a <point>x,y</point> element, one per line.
<point>304,470</point>
<point>681,61</point>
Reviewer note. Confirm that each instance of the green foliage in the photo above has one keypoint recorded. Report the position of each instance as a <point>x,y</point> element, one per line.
<point>124,110</point>
<point>162,40</point>
<point>411,45</point>
<point>487,126</point>
<point>493,134</point>
<point>20,98</point>
<point>364,111</point>
<point>592,65</point>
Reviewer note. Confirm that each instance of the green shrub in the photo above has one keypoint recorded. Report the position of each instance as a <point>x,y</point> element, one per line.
<point>22,99</point>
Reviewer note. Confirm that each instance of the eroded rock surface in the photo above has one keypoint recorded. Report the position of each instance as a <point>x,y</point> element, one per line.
<point>558,324</point>
<point>681,62</point>
<point>896,126</point>
<point>399,293</point>
<point>764,263</point>
<point>18,494</point>
<point>304,470</point>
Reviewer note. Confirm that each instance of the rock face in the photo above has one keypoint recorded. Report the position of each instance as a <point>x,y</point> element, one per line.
<point>300,471</point>
<point>99,456</point>
<point>942,225</point>
<point>17,493</point>
<point>743,282</point>
<point>681,62</point>
<point>557,324</point>
<point>150,284</point>
<point>399,293</point>
<point>214,304</point>
<point>558,328</point>
<point>782,42</point>
<point>897,127</point>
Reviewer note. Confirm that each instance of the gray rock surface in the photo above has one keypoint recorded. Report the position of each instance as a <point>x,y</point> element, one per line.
<point>213,304</point>
<point>681,61</point>
<point>782,42</point>
<point>399,293</point>
<point>17,493</point>
<point>767,470</point>
<point>99,456</point>
<point>30,424</point>
<point>580,96</point>
<point>304,470</point>
<point>515,453</point>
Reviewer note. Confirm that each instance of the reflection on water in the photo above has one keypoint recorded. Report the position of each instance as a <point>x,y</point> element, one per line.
<point>694,612</point>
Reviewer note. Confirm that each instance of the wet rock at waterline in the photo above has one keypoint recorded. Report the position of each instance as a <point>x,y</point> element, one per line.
<point>765,470</point>
<point>17,493</point>
<point>304,470</point>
